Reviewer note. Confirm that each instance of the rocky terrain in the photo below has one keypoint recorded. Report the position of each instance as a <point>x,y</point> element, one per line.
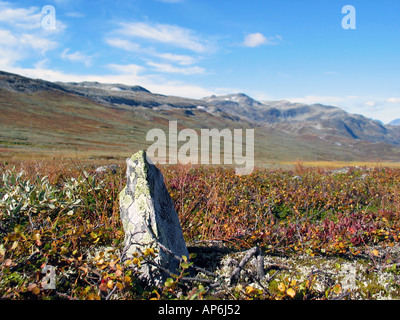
<point>95,120</point>
<point>317,119</point>
<point>119,95</point>
<point>395,122</point>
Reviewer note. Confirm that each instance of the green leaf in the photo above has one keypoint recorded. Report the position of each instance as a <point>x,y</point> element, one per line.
<point>192,255</point>
<point>17,209</point>
<point>185,265</point>
<point>169,282</point>
<point>41,195</point>
<point>93,235</point>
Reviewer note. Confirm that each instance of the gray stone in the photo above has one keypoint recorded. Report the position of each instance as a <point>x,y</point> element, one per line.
<point>344,170</point>
<point>149,219</point>
<point>110,168</point>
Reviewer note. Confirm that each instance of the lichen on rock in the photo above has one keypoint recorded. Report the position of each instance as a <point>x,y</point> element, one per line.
<point>149,219</point>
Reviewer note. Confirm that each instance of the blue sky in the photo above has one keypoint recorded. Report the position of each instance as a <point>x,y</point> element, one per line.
<point>268,49</point>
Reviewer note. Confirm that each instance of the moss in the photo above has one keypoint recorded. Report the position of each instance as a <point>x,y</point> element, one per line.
<point>370,288</point>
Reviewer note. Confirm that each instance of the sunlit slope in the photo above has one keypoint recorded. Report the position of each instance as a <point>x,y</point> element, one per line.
<point>41,119</point>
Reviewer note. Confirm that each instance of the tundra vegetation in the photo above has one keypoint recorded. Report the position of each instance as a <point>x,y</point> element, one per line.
<point>322,234</point>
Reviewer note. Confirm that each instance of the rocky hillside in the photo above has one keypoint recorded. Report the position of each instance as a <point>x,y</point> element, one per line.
<point>395,122</point>
<point>323,121</point>
<point>119,95</point>
<point>15,83</point>
<point>102,120</point>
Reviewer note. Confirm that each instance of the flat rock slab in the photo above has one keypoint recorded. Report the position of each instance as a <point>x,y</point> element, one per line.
<point>149,219</point>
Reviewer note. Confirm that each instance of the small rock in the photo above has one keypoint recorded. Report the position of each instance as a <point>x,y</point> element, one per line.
<point>297,178</point>
<point>344,170</point>
<point>110,168</point>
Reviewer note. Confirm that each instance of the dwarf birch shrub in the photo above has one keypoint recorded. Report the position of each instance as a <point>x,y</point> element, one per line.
<point>21,198</point>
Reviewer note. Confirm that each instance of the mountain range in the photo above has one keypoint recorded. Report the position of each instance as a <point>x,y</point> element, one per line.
<point>94,120</point>
<point>395,122</point>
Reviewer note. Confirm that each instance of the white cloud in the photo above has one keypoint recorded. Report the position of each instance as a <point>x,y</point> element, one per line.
<point>15,47</point>
<point>20,17</point>
<point>257,39</point>
<point>25,18</point>
<point>167,62</point>
<point>182,90</point>
<point>168,68</point>
<point>124,44</point>
<point>130,46</point>
<point>148,42</point>
<point>312,99</point>
<point>183,60</point>
<point>164,33</point>
<point>37,43</point>
<point>353,97</point>
<point>7,38</point>
<point>77,57</point>
<point>393,100</point>
<point>384,109</point>
<point>371,104</point>
<point>41,64</point>
<point>131,69</point>
<point>254,40</point>
<point>22,35</point>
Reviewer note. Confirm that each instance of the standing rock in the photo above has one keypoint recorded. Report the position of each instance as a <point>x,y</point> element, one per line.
<point>149,219</point>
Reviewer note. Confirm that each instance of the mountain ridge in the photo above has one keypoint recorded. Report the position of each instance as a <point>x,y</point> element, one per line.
<point>316,118</point>
<point>97,118</point>
<point>395,122</point>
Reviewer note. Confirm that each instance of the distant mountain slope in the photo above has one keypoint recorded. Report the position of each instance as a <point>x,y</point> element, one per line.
<point>16,83</point>
<point>93,120</point>
<point>395,122</point>
<point>317,119</point>
<point>118,94</point>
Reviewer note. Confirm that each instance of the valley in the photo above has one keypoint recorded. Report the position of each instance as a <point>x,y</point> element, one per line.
<point>93,121</point>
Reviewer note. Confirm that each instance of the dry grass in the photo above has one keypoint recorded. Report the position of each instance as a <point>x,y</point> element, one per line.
<point>339,164</point>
